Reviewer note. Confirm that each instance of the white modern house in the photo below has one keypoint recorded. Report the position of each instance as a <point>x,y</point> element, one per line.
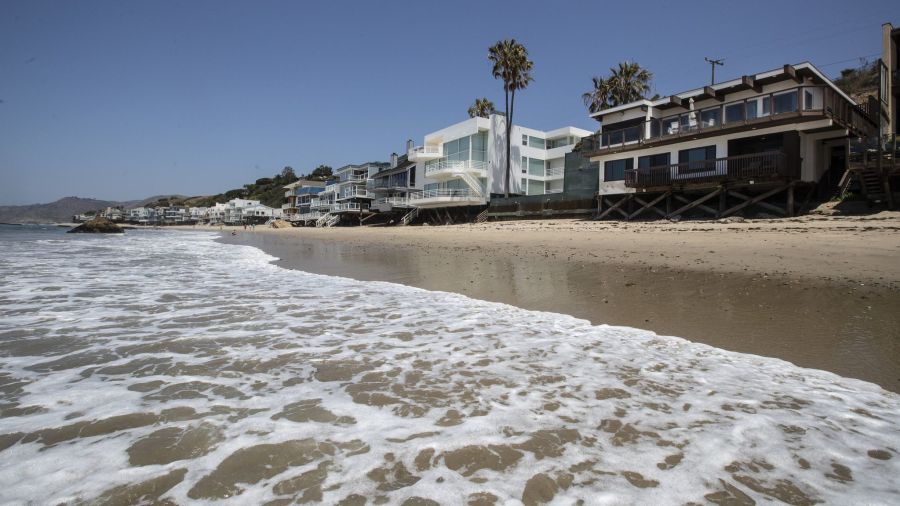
<point>771,131</point>
<point>243,211</point>
<point>464,164</point>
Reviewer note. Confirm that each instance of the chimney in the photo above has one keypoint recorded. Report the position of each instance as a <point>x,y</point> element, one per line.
<point>410,145</point>
<point>393,160</point>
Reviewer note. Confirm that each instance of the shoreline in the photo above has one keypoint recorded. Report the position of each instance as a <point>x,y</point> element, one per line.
<point>771,291</point>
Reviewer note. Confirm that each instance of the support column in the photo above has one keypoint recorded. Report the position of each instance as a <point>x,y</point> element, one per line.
<point>723,201</point>
<point>789,208</point>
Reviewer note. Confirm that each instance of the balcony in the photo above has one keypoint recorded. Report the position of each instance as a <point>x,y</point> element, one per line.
<point>795,104</point>
<point>403,201</point>
<point>769,165</point>
<point>348,207</point>
<point>356,192</point>
<point>555,173</point>
<point>443,197</point>
<point>425,153</point>
<point>446,169</point>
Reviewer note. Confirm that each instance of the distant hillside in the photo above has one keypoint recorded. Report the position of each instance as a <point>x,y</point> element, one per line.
<point>860,82</point>
<point>63,209</point>
<point>268,190</point>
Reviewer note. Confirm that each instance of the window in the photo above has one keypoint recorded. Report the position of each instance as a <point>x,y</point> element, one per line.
<point>786,102</point>
<point>536,142</point>
<point>697,159</point>
<point>535,167</point>
<point>807,100</point>
<point>710,117</point>
<point>524,165</point>
<point>614,170</point>
<point>645,162</point>
<point>524,140</point>
<point>734,113</point>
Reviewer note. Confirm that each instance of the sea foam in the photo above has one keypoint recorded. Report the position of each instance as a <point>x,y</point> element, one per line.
<point>164,365</point>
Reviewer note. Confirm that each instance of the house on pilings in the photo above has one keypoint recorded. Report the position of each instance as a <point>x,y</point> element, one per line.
<point>763,143</point>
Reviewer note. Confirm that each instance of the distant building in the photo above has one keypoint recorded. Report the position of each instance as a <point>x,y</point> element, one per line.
<point>293,193</point>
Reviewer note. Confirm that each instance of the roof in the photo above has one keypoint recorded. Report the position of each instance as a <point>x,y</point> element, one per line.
<point>303,182</point>
<point>730,87</point>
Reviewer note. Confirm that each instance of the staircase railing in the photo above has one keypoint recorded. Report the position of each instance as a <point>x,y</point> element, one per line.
<point>322,220</point>
<point>482,217</point>
<point>408,217</point>
<point>332,221</point>
<point>473,183</point>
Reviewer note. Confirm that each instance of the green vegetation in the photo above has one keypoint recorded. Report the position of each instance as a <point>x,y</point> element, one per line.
<point>510,64</point>
<point>481,108</point>
<point>626,83</point>
<point>860,82</point>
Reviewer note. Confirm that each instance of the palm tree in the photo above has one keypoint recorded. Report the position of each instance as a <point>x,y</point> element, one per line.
<point>482,108</point>
<point>626,83</point>
<point>511,64</point>
<point>598,98</point>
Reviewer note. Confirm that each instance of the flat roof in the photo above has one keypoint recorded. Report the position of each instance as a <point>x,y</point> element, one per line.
<point>726,86</point>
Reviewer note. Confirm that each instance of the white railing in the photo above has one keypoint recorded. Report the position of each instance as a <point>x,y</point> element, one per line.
<point>444,194</point>
<point>553,190</point>
<point>309,216</point>
<point>425,152</point>
<point>356,193</point>
<point>348,206</point>
<point>556,172</point>
<point>396,201</point>
<point>354,178</point>
<point>452,166</point>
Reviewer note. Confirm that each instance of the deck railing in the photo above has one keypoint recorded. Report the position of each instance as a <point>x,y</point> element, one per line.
<point>756,110</point>
<point>766,165</point>
<point>444,193</point>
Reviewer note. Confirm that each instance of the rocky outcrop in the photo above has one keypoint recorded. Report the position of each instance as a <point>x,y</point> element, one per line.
<point>97,226</point>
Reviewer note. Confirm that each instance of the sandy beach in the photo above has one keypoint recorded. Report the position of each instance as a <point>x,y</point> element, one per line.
<point>818,291</point>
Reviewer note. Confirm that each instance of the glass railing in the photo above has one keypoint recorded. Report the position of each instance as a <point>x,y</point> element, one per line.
<point>763,107</point>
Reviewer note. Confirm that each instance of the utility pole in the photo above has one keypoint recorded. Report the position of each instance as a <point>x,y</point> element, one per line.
<point>713,63</point>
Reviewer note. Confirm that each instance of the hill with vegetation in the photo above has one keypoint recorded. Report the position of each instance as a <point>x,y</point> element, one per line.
<point>268,190</point>
<point>62,210</point>
<point>860,82</point>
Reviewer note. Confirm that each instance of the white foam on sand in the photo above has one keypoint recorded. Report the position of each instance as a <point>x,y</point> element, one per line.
<point>408,393</point>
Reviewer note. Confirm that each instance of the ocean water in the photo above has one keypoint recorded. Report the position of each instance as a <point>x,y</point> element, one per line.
<point>164,367</point>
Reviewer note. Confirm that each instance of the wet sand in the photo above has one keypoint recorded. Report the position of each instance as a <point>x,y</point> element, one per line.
<point>819,292</point>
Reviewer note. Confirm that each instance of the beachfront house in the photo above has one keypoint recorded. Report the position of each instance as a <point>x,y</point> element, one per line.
<point>297,195</point>
<point>351,194</point>
<point>392,186</point>
<point>463,165</point>
<point>142,215</point>
<point>721,148</point>
<point>243,211</point>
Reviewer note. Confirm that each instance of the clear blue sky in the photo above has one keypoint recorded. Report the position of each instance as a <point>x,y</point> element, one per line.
<point>121,100</point>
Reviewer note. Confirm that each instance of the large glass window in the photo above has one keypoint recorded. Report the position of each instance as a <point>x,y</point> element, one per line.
<point>785,102</point>
<point>535,187</point>
<point>645,162</point>
<point>710,117</point>
<point>697,159</point>
<point>479,147</point>
<point>734,113</point>
<point>535,167</point>
<point>536,142</point>
<point>614,170</point>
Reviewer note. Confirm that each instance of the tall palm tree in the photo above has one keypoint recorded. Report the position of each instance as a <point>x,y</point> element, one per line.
<point>627,82</point>
<point>481,108</point>
<point>511,64</point>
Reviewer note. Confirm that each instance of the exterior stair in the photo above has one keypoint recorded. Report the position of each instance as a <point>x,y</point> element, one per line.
<point>408,217</point>
<point>333,220</point>
<point>322,220</point>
